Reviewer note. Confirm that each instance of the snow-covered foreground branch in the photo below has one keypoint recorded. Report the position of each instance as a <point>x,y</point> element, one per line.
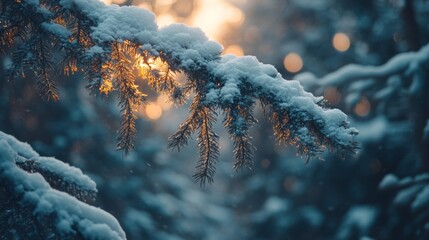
<point>111,43</point>
<point>44,198</point>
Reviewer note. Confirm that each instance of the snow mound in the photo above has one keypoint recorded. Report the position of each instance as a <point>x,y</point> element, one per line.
<point>29,199</point>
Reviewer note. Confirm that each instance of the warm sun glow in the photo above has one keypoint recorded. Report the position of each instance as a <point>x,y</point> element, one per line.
<point>341,42</point>
<point>165,19</point>
<point>293,62</point>
<point>234,49</point>
<point>153,111</point>
<point>212,16</point>
<point>144,67</point>
<point>145,5</point>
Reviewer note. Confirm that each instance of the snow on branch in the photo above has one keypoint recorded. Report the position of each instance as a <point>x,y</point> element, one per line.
<point>44,198</point>
<point>114,45</point>
<point>411,193</point>
<point>406,63</point>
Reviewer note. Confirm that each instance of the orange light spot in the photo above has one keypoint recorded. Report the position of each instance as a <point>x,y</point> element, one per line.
<point>341,42</point>
<point>293,62</point>
<point>234,49</point>
<point>332,95</point>
<point>363,107</point>
<point>153,111</point>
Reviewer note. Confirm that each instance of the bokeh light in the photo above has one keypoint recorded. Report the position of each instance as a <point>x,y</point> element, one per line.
<point>332,95</point>
<point>164,102</point>
<point>212,16</point>
<point>363,107</point>
<point>341,42</point>
<point>293,62</point>
<point>153,111</point>
<point>165,19</point>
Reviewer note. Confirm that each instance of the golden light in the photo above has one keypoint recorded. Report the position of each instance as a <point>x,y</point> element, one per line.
<point>159,4</point>
<point>145,5</point>
<point>332,95</point>
<point>153,111</point>
<point>363,107</point>
<point>164,102</point>
<point>293,62</point>
<point>341,42</point>
<point>118,1</point>
<point>235,16</point>
<point>212,16</point>
<point>144,67</point>
<point>106,87</point>
<point>234,49</point>
<point>165,19</point>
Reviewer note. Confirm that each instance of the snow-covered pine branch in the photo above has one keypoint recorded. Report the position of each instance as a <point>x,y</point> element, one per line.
<point>397,92</point>
<point>44,198</point>
<point>412,196</point>
<point>111,43</point>
<point>407,63</point>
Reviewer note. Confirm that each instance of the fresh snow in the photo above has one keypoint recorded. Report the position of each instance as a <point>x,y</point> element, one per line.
<point>92,222</point>
<point>227,80</point>
<point>189,50</point>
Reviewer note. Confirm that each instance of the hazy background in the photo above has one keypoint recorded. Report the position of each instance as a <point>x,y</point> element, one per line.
<point>152,193</point>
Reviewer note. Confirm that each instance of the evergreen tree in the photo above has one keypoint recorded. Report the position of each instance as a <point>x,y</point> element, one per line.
<point>43,198</point>
<point>383,92</point>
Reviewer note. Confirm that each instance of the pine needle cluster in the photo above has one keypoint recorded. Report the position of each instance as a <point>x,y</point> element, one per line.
<point>88,36</point>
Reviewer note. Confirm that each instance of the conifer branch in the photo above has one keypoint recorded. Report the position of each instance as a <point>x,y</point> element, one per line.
<point>46,86</point>
<point>238,122</point>
<point>111,43</point>
<point>182,135</point>
<point>130,96</point>
<point>208,142</point>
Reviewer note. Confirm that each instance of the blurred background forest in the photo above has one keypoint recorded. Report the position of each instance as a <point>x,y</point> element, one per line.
<point>151,192</point>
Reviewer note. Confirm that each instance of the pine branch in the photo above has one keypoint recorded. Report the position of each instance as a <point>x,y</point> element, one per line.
<point>238,127</point>
<point>46,86</point>
<point>110,44</point>
<point>208,143</point>
<point>127,132</point>
<point>129,95</point>
<point>181,137</point>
